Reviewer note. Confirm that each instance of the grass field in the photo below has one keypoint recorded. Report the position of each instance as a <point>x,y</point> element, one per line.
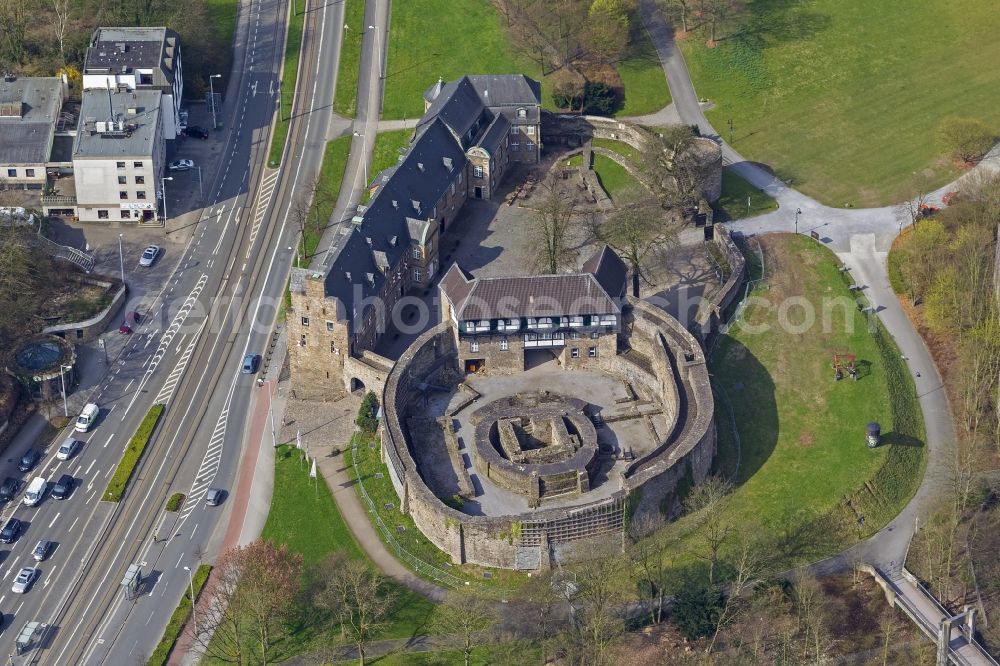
<point>388,147</point>
<point>331,174</point>
<point>620,147</point>
<point>801,433</point>
<point>613,176</point>
<point>843,96</point>
<point>733,202</point>
<point>289,74</point>
<point>423,47</point>
<point>305,517</point>
<point>346,96</point>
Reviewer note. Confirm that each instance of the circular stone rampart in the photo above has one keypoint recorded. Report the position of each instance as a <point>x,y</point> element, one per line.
<point>661,356</point>
<point>540,445</point>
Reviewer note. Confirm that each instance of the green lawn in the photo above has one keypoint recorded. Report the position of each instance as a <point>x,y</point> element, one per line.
<point>620,147</point>
<point>346,95</point>
<point>643,79</point>
<point>843,96</point>
<point>423,46</point>
<point>388,147</point>
<point>305,517</point>
<point>289,74</point>
<point>733,202</point>
<point>331,174</point>
<point>802,433</point>
<point>613,176</point>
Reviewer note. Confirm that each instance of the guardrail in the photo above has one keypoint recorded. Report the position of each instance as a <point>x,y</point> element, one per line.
<point>415,563</point>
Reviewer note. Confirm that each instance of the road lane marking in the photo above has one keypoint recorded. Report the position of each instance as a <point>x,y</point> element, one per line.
<point>105,445</point>
<point>193,531</point>
<point>90,465</point>
<point>74,524</point>
<point>108,473</point>
<point>49,576</point>
<point>127,386</point>
<point>179,561</point>
<point>54,519</point>
<point>92,495</point>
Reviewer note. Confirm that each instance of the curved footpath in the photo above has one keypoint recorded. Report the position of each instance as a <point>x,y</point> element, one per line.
<point>861,239</point>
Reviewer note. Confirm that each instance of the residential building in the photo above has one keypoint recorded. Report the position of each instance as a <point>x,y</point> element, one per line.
<point>136,58</point>
<point>501,322</point>
<point>118,156</point>
<point>461,149</point>
<point>29,113</point>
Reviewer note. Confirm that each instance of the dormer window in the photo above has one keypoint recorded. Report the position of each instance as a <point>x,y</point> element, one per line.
<point>522,113</point>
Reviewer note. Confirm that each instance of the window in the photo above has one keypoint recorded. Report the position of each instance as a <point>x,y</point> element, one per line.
<point>140,180</point>
<point>592,352</point>
<point>417,275</point>
<point>120,165</point>
<point>305,321</point>
<point>522,113</point>
<point>137,165</point>
<point>125,214</point>
<point>102,215</point>
<point>513,146</point>
<point>302,340</point>
<point>123,195</point>
<point>329,327</point>
<point>530,129</point>
<point>504,345</point>
<point>574,352</point>
<point>474,345</point>
<point>140,194</point>
<point>529,146</point>
<point>459,177</point>
<point>453,189</point>
<point>29,173</point>
<point>574,336</point>
<point>12,173</point>
<point>477,171</point>
<point>514,129</point>
<point>121,180</point>
<point>594,335</point>
<point>416,253</point>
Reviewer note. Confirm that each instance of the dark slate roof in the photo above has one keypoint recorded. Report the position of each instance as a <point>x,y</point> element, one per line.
<point>506,89</point>
<point>578,294</point>
<point>494,134</point>
<point>122,50</point>
<point>431,93</point>
<point>354,274</point>
<point>609,269</point>
<point>26,135</point>
<point>463,102</point>
<point>458,106</point>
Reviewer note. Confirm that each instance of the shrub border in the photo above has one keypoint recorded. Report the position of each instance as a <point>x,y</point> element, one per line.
<point>179,618</point>
<point>133,453</point>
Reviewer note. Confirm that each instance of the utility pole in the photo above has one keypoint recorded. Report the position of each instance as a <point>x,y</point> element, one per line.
<point>730,130</point>
<point>211,90</point>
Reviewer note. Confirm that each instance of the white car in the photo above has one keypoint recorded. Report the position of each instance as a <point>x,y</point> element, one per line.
<point>181,165</point>
<point>149,255</point>
<point>25,577</point>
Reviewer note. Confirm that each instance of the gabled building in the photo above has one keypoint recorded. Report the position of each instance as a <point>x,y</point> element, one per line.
<point>133,58</point>
<point>29,113</point>
<point>499,321</point>
<point>461,149</point>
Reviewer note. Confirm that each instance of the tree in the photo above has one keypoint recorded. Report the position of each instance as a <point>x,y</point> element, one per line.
<point>966,139</point>
<point>255,588</point>
<point>599,99</point>
<point>14,17</point>
<point>683,7</point>
<point>357,595</point>
<point>62,10</point>
<point>536,609</point>
<point>676,169</point>
<point>607,29</point>
<point>811,606</point>
<point>706,500</point>
<point>637,230</point>
<point>468,617</point>
<point>718,12</point>
<point>697,606</point>
<point>553,224</point>
<point>600,624</point>
<point>651,557</point>
<point>366,419</point>
<point>567,88</point>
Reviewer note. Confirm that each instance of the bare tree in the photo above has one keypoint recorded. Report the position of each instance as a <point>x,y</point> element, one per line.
<point>676,168</point>
<point>221,628</point>
<point>62,10</point>
<point>637,230</point>
<point>706,500</point>
<point>358,597</point>
<point>746,569</point>
<point>537,611</point>
<point>600,597</point>
<point>683,7</point>
<point>553,225</point>
<point>966,139</point>
<point>652,557</point>
<point>468,616</point>
<point>810,604</point>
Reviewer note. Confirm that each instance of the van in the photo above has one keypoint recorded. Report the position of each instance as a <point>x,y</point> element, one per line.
<point>36,490</point>
<point>87,417</point>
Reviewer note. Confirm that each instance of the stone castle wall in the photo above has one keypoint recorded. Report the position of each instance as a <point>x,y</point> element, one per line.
<point>541,537</point>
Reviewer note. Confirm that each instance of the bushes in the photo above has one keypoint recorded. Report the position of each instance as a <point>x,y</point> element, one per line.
<point>179,618</point>
<point>366,415</point>
<point>175,501</point>
<point>136,446</point>
<point>599,99</point>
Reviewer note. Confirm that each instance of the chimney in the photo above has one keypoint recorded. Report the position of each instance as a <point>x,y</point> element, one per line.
<point>420,165</point>
<point>395,204</point>
<point>447,163</point>
<point>415,204</point>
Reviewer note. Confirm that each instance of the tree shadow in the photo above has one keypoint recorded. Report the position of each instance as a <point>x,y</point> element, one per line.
<point>747,388</point>
<point>899,439</point>
<point>778,22</point>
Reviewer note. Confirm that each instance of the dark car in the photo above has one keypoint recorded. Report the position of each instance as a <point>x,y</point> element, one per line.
<point>215,496</point>
<point>64,487</point>
<point>250,363</point>
<point>196,132</point>
<point>11,530</point>
<point>29,460</point>
<point>8,489</point>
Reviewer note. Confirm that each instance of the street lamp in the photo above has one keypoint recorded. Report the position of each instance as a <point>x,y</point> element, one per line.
<point>194,614</point>
<point>62,381</point>
<point>211,90</point>
<point>121,255</point>
<point>364,162</point>
<point>377,51</point>
<point>163,191</point>
<point>798,211</point>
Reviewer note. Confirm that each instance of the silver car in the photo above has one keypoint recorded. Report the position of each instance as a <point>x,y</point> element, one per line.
<point>149,255</point>
<point>25,577</point>
<point>41,551</point>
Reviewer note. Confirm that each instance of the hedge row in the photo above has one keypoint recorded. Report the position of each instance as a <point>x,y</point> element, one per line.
<point>179,618</point>
<point>136,446</point>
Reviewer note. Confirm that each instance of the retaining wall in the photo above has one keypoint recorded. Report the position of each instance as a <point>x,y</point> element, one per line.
<point>84,331</point>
